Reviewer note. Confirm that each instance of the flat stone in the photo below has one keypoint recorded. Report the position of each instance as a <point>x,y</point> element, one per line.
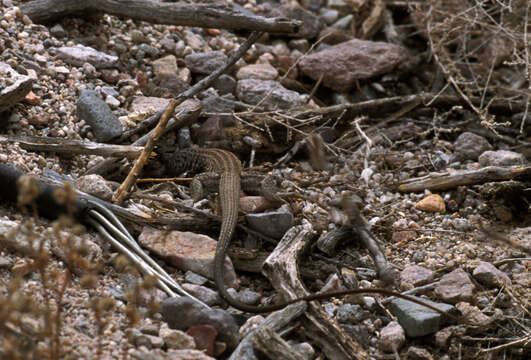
<point>341,65</point>
<point>413,276</point>
<point>418,320</point>
<point>490,275</point>
<point>187,251</point>
<point>455,286</point>
<point>205,62</point>
<point>270,94</point>
<point>273,224</point>
<point>257,71</point>
<point>143,104</point>
<point>105,125</point>
<point>79,54</point>
<point>501,158</point>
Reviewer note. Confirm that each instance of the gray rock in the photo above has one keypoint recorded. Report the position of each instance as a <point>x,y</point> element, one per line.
<point>205,62</point>
<point>79,54</point>
<point>392,337</point>
<point>58,31</point>
<point>329,16</point>
<point>490,275</point>
<point>349,313</point>
<point>168,45</point>
<point>501,158</point>
<point>455,286</point>
<point>468,146</point>
<point>418,320</point>
<point>270,94</point>
<point>273,224</point>
<point>181,312</point>
<point>341,65</point>
<point>95,185</point>
<point>206,295</point>
<point>300,44</point>
<point>13,86</point>
<point>194,278</point>
<point>417,353</point>
<point>98,115</point>
<point>148,49</point>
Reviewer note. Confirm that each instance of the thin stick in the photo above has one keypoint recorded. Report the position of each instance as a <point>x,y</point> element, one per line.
<point>131,178</point>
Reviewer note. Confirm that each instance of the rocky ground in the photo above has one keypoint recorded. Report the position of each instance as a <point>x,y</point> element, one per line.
<point>466,248</point>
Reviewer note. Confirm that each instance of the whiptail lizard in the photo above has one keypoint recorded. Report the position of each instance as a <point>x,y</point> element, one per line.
<point>217,162</point>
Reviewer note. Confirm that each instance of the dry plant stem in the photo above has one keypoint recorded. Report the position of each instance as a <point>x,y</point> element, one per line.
<point>185,14</point>
<point>124,188</point>
<point>281,269</point>
<point>268,342</point>
<point>388,105</point>
<point>187,112</point>
<point>275,321</point>
<point>66,146</point>
<point>523,340</point>
<point>448,180</point>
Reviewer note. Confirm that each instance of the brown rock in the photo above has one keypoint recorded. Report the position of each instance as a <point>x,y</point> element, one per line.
<point>392,337</point>
<point>415,275</point>
<point>32,99</point>
<point>472,315</point>
<point>341,65</point>
<point>186,251</point>
<point>488,274</point>
<point>455,286</point>
<point>253,204</point>
<point>257,71</point>
<point>204,336</point>
<point>432,203</point>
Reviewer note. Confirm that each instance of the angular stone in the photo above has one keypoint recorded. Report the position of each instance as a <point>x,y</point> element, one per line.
<point>176,339</point>
<point>273,224</point>
<point>415,275</point>
<point>105,125</point>
<point>341,65</point>
<point>187,251</point>
<point>455,286</point>
<point>270,94</point>
<point>418,320</point>
<point>182,312</point>
<point>79,54</point>
<point>490,275</point>
<point>96,185</point>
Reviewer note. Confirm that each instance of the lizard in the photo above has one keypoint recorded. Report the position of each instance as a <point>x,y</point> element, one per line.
<point>225,165</point>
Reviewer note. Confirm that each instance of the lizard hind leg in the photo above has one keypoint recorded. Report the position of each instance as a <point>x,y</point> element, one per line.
<point>201,182</point>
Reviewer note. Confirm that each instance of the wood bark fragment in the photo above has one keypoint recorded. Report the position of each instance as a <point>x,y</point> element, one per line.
<point>275,321</point>
<point>453,178</point>
<point>384,106</point>
<point>185,14</point>
<point>272,346</point>
<point>281,268</point>
<point>67,146</point>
